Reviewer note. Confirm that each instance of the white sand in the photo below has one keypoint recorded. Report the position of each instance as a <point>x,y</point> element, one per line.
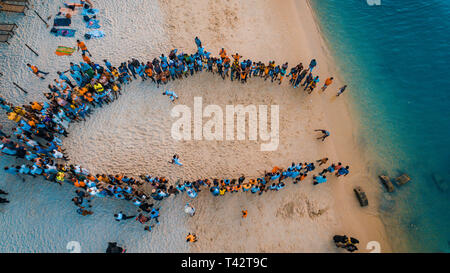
<point>132,135</point>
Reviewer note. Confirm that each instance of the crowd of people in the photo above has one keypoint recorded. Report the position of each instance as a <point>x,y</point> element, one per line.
<point>40,126</point>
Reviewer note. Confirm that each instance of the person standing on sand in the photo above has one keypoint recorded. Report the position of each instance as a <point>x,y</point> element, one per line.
<point>327,83</point>
<point>343,171</point>
<point>198,42</point>
<point>86,59</point>
<point>319,179</point>
<point>313,84</point>
<point>324,132</point>
<point>191,238</point>
<point>236,57</point>
<point>223,53</point>
<point>329,169</point>
<point>244,213</point>
<point>300,78</point>
<point>89,5</point>
<point>188,209</point>
<point>36,71</point>
<point>341,90</point>
<point>308,81</point>
<point>81,45</point>
<point>322,161</point>
<point>149,228</point>
<point>312,64</point>
<point>172,95</point>
<point>176,160</point>
<point>120,216</point>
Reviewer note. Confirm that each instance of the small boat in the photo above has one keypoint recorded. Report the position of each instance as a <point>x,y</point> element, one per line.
<point>361,195</point>
<point>402,179</point>
<point>387,183</point>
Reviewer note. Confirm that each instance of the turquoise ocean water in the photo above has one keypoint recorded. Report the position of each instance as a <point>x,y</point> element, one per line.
<point>395,59</point>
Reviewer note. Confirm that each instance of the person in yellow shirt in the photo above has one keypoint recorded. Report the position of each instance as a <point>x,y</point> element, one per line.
<point>327,83</point>
<point>36,106</point>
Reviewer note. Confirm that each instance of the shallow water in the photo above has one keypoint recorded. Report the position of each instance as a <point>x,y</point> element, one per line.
<point>395,59</point>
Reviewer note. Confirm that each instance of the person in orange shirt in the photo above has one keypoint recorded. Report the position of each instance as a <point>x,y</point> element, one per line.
<point>149,73</point>
<point>244,213</point>
<point>327,83</point>
<point>81,45</point>
<point>86,58</point>
<point>36,71</point>
<point>276,169</point>
<point>223,53</point>
<point>236,57</point>
<point>300,178</point>
<point>36,106</point>
<point>89,98</point>
<point>243,76</point>
<point>191,238</point>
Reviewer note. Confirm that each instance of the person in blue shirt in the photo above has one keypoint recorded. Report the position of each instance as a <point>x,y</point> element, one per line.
<point>324,132</point>
<point>215,190</point>
<point>163,59</point>
<point>330,169</point>
<point>343,171</point>
<point>172,72</point>
<point>273,187</point>
<point>173,96</point>
<point>198,42</point>
<point>312,64</point>
<point>280,186</point>
<point>149,228</point>
<point>191,67</point>
<point>108,64</point>
<point>7,150</point>
<point>180,187</point>
<point>309,167</point>
<point>76,75</point>
<point>132,68</point>
<point>154,214</point>
<point>75,67</point>
<point>319,179</point>
<point>200,64</point>
<point>11,170</point>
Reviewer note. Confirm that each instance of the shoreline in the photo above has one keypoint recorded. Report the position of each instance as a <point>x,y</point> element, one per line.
<point>374,228</point>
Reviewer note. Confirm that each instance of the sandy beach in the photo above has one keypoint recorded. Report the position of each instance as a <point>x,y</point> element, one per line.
<point>132,135</point>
